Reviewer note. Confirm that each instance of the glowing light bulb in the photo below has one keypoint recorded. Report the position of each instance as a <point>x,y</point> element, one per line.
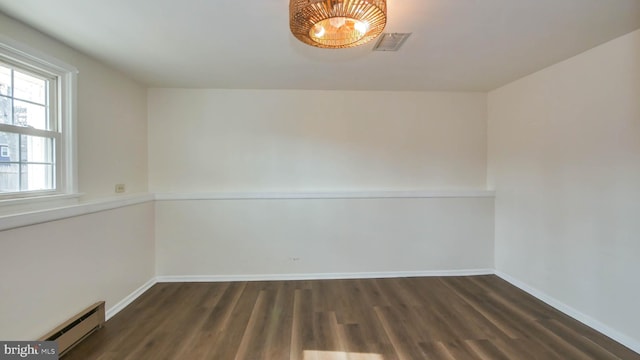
<point>361,27</point>
<point>337,22</point>
<point>318,31</point>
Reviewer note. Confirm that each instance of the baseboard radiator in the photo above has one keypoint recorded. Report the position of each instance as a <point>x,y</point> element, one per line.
<point>77,328</point>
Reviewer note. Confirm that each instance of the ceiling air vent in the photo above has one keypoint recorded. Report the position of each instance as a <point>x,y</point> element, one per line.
<point>390,41</point>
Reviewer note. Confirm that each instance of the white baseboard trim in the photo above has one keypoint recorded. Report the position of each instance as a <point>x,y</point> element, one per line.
<point>320,276</point>
<point>129,299</point>
<point>568,310</point>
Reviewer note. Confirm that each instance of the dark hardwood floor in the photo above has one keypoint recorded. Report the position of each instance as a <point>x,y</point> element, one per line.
<point>480,317</point>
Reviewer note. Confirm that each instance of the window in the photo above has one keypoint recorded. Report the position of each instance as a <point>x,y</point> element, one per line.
<point>36,124</point>
<point>4,153</point>
<point>29,128</point>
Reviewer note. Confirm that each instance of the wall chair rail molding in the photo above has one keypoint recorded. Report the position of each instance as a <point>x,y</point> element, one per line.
<point>326,195</point>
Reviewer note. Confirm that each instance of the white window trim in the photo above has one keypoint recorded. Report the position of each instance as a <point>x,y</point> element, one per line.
<point>67,113</point>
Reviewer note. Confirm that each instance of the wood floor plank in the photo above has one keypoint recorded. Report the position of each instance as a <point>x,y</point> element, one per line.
<point>525,349</point>
<point>280,329</point>
<point>325,332</point>
<point>157,342</point>
<point>487,350</point>
<point>459,318</point>
<point>588,347</point>
<point>232,333</point>
<point>479,299</point>
<point>509,294</point>
<point>362,330</point>
<point>303,330</point>
<point>402,339</point>
<point>451,312</point>
<point>417,311</point>
<point>207,337</point>
<point>460,350</point>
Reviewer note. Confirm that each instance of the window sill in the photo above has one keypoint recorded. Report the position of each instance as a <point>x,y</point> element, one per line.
<point>73,208</point>
<point>35,203</point>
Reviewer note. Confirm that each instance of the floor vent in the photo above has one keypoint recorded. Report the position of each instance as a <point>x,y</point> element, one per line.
<point>74,330</point>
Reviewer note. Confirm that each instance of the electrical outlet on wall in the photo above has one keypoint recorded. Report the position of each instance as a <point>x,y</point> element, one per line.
<point>120,188</point>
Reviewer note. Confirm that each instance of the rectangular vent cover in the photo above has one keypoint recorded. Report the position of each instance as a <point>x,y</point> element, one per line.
<point>74,330</point>
<point>390,41</point>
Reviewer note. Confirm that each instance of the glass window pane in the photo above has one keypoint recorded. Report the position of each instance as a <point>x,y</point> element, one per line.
<point>5,80</point>
<point>9,177</point>
<point>37,177</point>
<point>9,146</point>
<point>27,87</point>
<point>6,110</point>
<point>27,114</point>
<point>37,149</point>
<point>27,163</point>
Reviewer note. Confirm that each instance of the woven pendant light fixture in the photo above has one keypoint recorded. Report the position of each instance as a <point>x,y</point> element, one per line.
<point>337,23</point>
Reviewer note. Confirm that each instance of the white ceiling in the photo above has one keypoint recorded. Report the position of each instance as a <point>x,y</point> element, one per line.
<point>468,45</point>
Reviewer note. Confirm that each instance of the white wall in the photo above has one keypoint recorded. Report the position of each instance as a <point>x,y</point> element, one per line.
<point>111,121</point>
<point>50,271</point>
<point>324,236</point>
<point>564,158</point>
<point>112,132</point>
<point>277,140</point>
<point>259,141</point>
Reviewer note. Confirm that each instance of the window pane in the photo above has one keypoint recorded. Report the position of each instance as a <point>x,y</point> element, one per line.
<point>37,149</point>
<point>5,81</point>
<point>27,163</point>
<point>5,110</point>
<point>37,177</point>
<point>9,146</point>
<point>27,87</point>
<point>9,177</point>
<point>27,114</point>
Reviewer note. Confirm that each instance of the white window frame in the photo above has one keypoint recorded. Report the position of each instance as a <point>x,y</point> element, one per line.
<point>19,54</point>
